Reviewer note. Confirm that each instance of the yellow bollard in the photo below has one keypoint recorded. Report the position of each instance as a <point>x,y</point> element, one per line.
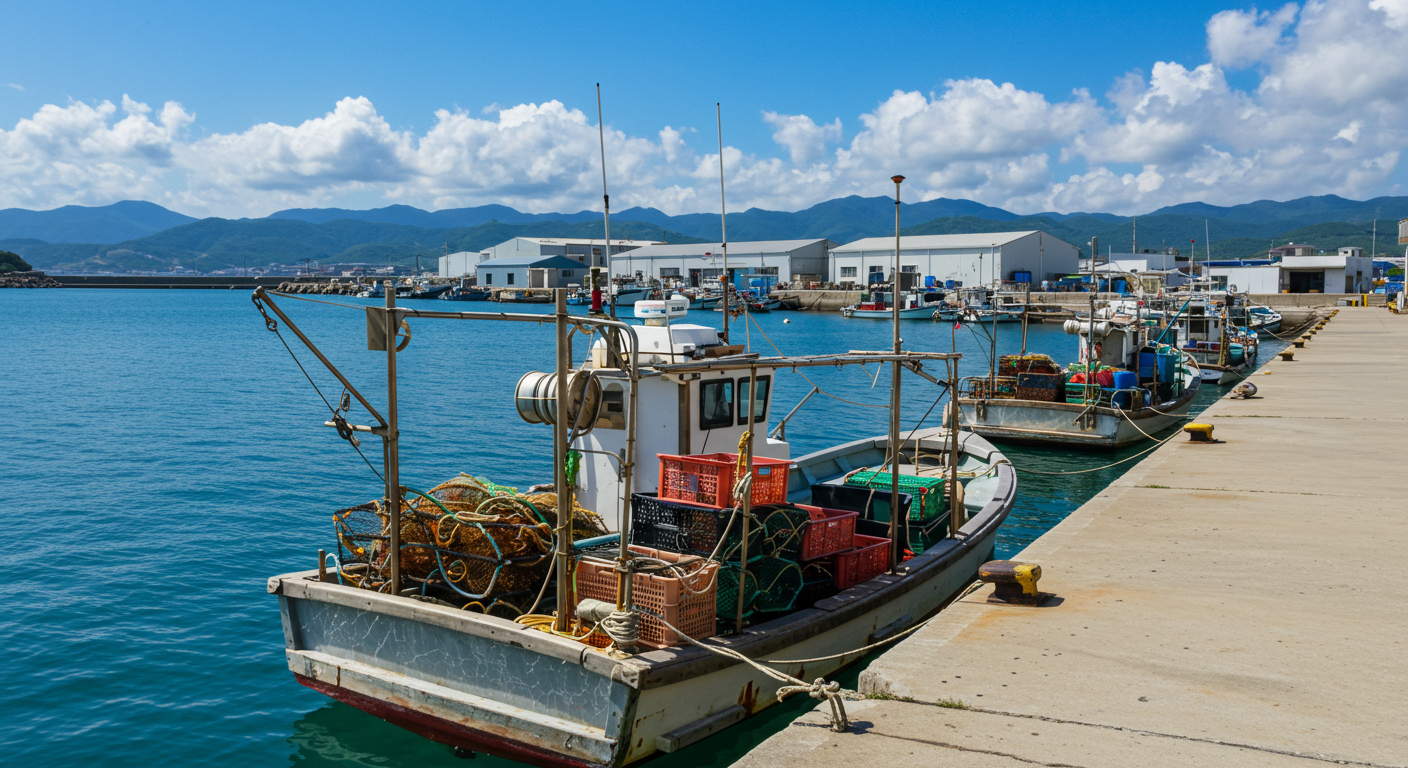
<point>1287,354</point>
<point>1198,433</point>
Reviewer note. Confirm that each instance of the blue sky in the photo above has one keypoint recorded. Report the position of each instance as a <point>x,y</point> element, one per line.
<point>232,67</point>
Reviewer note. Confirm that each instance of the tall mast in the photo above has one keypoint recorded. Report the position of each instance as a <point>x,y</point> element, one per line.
<point>725,282</point>
<point>895,391</point>
<point>605,198</point>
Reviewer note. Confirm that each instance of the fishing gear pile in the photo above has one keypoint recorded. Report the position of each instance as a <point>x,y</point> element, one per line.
<point>469,541</point>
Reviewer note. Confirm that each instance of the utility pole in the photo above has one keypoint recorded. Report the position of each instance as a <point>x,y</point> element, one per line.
<point>894,390</point>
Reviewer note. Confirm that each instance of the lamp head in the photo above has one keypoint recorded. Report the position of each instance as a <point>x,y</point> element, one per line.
<point>897,179</point>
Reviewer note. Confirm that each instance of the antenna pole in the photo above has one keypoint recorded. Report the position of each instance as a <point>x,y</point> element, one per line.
<point>605,198</point>
<point>392,442</point>
<point>726,281</point>
<point>895,391</point>
<point>566,601</point>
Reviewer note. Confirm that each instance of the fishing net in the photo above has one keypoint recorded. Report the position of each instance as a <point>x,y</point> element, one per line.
<point>467,539</point>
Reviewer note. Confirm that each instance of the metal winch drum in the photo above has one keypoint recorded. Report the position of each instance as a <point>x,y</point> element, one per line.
<point>535,397</point>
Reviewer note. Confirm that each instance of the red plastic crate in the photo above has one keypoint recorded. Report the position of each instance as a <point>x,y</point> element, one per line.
<point>869,558</point>
<point>691,612</point>
<point>830,531</point>
<point>708,479</point>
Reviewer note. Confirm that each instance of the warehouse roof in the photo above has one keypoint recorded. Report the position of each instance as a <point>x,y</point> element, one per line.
<point>582,241</point>
<point>740,248</point>
<point>540,262</point>
<point>919,242</point>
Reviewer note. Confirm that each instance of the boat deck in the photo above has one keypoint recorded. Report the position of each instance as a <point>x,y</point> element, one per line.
<point>1231,604</point>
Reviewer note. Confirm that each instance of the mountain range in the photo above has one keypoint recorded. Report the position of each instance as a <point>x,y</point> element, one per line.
<point>141,236</point>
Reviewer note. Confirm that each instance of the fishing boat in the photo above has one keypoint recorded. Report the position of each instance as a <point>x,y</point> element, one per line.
<point>1213,329</point>
<point>1264,319</point>
<point>1124,389</point>
<point>427,291</point>
<point>374,292</point>
<point>627,294</point>
<point>465,293</point>
<point>424,650</point>
<point>879,305</point>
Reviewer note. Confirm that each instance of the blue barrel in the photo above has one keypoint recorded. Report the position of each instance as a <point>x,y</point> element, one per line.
<point>1124,380</point>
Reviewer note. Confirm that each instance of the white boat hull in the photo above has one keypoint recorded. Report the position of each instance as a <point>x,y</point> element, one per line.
<point>1039,422</point>
<point>912,313</point>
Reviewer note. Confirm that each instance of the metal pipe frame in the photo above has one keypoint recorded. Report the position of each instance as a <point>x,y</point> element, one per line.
<point>387,430</point>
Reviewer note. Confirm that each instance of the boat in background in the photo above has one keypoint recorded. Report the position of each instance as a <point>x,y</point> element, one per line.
<point>879,305</point>
<point>1263,319</point>
<point>465,293</point>
<point>1125,389</point>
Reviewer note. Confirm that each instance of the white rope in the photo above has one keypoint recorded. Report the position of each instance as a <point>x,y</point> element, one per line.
<point>817,689</point>
<point>623,627</point>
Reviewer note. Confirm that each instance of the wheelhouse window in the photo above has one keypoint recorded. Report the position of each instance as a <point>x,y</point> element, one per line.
<point>760,411</point>
<point>716,404</point>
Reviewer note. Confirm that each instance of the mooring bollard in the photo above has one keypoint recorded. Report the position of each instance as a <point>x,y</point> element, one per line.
<point>1199,433</point>
<point>1287,354</point>
<point>1014,582</point>
<point>1299,343</point>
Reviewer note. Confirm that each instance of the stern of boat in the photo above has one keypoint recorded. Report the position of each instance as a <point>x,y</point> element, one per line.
<point>468,680</point>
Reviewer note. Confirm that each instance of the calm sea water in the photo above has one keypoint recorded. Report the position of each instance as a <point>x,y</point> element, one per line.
<point>166,457</point>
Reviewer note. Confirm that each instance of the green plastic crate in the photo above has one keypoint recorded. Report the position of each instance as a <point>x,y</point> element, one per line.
<point>930,500</point>
<point>772,585</point>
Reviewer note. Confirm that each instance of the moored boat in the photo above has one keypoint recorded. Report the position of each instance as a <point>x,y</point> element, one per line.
<point>387,631</point>
<point>1124,390</point>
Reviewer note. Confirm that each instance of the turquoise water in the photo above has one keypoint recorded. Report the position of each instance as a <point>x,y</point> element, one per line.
<point>167,457</point>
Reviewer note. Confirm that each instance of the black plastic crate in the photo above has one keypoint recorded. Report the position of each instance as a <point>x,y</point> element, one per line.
<point>871,503</point>
<point>679,527</point>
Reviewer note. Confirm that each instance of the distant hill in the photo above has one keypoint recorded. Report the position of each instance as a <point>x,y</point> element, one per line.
<point>213,244</point>
<point>114,223</point>
<point>1300,212</point>
<point>144,236</point>
<point>443,219</point>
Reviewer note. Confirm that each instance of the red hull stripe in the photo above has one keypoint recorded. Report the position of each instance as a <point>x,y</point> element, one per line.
<point>446,732</point>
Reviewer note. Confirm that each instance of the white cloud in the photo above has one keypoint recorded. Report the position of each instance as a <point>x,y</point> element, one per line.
<point>16,86</point>
<point>1239,38</point>
<point>804,139</point>
<point>1326,114</point>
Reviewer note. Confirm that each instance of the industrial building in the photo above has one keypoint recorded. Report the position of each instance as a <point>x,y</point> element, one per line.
<point>787,260</point>
<point>531,272</point>
<point>1348,271</point>
<point>583,251</point>
<point>983,258</point>
<point>461,263</point>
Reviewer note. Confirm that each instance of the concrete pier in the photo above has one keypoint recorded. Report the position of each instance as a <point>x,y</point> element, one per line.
<point>1233,604</point>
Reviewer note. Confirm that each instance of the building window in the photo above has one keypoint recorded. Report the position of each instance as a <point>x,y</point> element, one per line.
<point>760,411</point>
<point>669,271</point>
<point>848,271</point>
<point>716,404</point>
<point>909,268</point>
<point>568,272</point>
<point>510,278</point>
<point>488,278</point>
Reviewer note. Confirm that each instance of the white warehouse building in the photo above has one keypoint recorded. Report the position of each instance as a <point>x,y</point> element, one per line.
<point>583,251</point>
<point>695,262</point>
<point>972,259</point>
<point>1348,271</point>
<point>461,263</point>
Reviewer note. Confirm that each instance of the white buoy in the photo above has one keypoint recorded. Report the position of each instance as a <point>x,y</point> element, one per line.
<point>786,321</point>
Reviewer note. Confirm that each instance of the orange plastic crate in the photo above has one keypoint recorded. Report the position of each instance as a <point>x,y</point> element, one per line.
<point>708,479</point>
<point>692,613</point>
<point>869,558</point>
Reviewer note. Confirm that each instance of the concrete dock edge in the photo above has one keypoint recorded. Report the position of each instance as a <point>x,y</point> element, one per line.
<point>1231,604</point>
